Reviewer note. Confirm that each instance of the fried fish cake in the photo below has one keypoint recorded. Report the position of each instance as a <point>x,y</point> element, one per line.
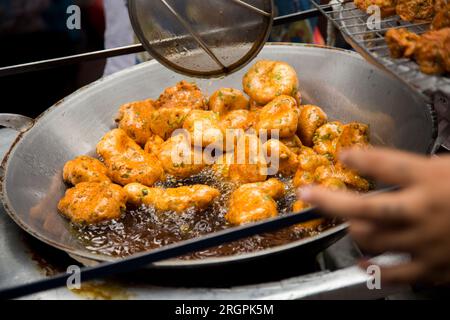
<point>126,161</point>
<point>93,202</point>
<point>85,169</point>
<point>173,199</point>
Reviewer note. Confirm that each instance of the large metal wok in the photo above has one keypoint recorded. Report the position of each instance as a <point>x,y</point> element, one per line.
<point>348,88</point>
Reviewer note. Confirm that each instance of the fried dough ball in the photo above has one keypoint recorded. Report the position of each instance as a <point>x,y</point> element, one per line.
<point>183,95</point>
<point>234,124</point>
<point>255,202</point>
<point>126,161</point>
<point>173,199</point>
<point>279,115</point>
<point>311,118</point>
<point>153,145</point>
<point>349,177</point>
<point>293,143</point>
<point>442,18</point>
<point>228,99</point>
<point>303,178</point>
<point>254,106</point>
<point>179,158</point>
<point>205,128</point>
<point>433,51</point>
<point>326,138</point>
<point>135,118</point>
<point>267,80</point>
<point>354,134</point>
<point>84,169</point>
<point>412,10</point>
<point>272,187</point>
<point>387,7</point>
<point>246,164</point>
<point>282,157</point>
<point>329,183</point>
<point>166,120</point>
<point>238,119</point>
<point>309,160</point>
<point>402,42</point>
<point>93,202</point>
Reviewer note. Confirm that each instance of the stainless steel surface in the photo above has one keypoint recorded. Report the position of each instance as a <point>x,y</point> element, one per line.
<point>15,121</point>
<point>370,43</point>
<point>341,82</point>
<point>202,38</point>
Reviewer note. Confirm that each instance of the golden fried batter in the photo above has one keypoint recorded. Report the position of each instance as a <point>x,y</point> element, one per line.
<point>433,51</point>
<point>326,138</point>
<point>306,146</point>
<point>84,169</point>
<point>303,178</point>
<point>309,160</point>
<point>299,206</point>
<point>246,165</point>
<point>287,160</point>
<point>93,202</point>
<point>179,158</point>
<point>353,135</point>
<point>205,128</point>
<point>267,80</point>
<point>234,124</point>
<point>254,106</point>
<point>255,202</point>
<point>279,115</point>
<point>126,161</point>
<point>293,143</point>
<point>387,7</point>
<point>238,119</point>
<point>349,177</point>
<point>153,145</point>
<point>311,118</point>
<point>166,120</point>
<point>402,43</point>
<point>174,199</point>
<point>442,18</point>
<point>228,99</point>
<point>413,10</point>
<point>183,95</point>
<point>135,118</point>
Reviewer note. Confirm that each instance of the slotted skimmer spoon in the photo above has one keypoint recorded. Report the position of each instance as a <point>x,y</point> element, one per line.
<point>202,38</point>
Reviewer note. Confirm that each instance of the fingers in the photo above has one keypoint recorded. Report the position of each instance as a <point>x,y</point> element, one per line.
<point>390,208</point>
<point>389,166</point>
<point>375,239</point>
<point>400,274</point>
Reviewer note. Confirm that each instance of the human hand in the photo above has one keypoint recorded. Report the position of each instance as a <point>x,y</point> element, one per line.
<point>415,220</point>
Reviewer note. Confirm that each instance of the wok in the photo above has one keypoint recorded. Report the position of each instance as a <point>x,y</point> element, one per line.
<point>348,88</point>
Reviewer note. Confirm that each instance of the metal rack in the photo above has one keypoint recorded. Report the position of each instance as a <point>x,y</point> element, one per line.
<point>371,44</point>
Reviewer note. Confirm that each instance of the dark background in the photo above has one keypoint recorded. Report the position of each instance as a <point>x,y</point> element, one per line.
<point>32,30</point>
